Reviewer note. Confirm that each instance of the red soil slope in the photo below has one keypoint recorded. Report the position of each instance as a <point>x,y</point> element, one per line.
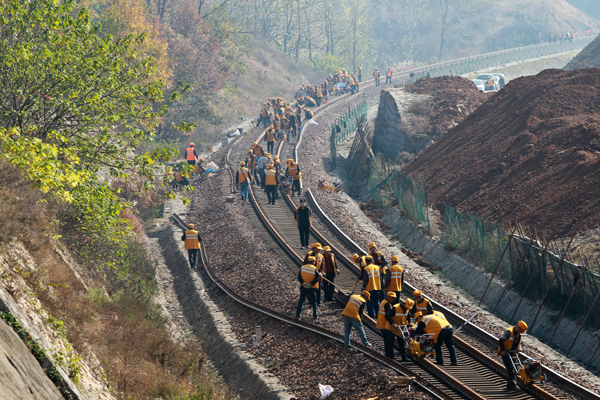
<point>530,151</point>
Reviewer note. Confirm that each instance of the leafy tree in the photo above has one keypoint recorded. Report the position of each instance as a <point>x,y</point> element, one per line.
<point>75,104</point>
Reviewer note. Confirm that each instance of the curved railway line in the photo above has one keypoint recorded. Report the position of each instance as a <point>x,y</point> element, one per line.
<point>478,376</point>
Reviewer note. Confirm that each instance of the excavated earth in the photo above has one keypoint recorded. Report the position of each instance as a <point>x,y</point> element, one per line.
<point>588,57</point>
<point>452,99</point>
<point>531,152</point>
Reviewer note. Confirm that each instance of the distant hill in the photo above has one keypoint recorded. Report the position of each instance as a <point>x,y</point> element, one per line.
<point>587,58</point>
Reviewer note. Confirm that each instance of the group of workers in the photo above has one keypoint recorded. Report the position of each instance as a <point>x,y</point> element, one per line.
<point>182,178</point>
<point>262,168</point>
<point>399,321</point>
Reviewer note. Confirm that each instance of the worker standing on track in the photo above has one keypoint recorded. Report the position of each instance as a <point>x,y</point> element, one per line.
<point>510,341</point>
<point>384,308</point>
<point>319,96</point>
<point>270,138</point>
<point>190,154</point>
<point>192,239</point>
<point>360,73</point>
<point>376,76</point>
<point>262,166</point>
<point>243,179</point>
<point>257,150</point>
<point>293,171</point>
<point>442,331</point>
<point>315,252</point>
<point>372,284</point>
<point>379,260</point>
<point>251,162</point>
<point>330,270</point>
<point>352,317</point>
<point>303,218</point>
<point>421,304</point>
<point>388,76</point>
<point>271,183</point>
<point>397,315</point>
<point>309,285</point>
<point>394,279</point>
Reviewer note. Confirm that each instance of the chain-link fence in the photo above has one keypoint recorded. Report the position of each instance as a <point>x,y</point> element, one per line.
<point>497,58</point>
<point>534,272</point>
<point>344,127</point>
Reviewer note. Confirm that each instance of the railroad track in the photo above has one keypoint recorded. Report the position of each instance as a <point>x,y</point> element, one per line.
<point>477,376</point>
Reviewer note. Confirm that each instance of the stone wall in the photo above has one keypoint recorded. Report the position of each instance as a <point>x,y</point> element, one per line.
<point>389,136</point>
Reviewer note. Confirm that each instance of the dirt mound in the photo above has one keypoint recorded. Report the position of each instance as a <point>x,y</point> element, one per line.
<point>374,213</point>
<point>452,99</point>
<point>533,150</point>
<point>588,57</point>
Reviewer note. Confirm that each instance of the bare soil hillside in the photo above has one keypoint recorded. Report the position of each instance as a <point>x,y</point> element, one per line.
<point>532,150</point>
<point>588,57</point>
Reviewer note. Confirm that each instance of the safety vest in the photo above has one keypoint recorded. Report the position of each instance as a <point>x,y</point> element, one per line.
<point>243,175</point>
<point>389,73</point>
<point>249,160</point>
<point>360,72</point>
<point>319,258</point>
<point>286,124</point>
<point>258,151</point>
<point>422,306</point>
<point>190,156</point>
<point>319,93</point>
<point>264,113</point>
<point>508,344</point>
<point>191,240</point>
<point>198,167</point>
<point>353,307</point>
<point>434,325</point>
<point>400,317</point>
<point>376,75</point>
<point>178,177</point>
<point>209,148</point>
<point>288,111</point>
<point>374,277</point>
<point>381,321</point>
<point>396,272</point>
<point>270,178</point>
<point>293,171</point>
<point>308,272</point>
<point>270,136</point>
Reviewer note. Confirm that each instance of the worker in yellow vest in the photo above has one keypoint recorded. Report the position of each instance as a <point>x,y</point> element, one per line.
<point>243,179</point>
<point>388,76</point>
<point>270,138</point>
<point>209,150</point>
<point>371,278</point>
<point>192,239</point>
<point>352,315</point>
<point>394,279</point>
<point>315,252</point>
<point>271,183</point>
<point>308,276</point>
<point>293,171</point>
<point>360,73</point>
<point>379,260</point>
<point>442,332</point>
<point>396,315</point>
<point>510,341</point>
<point>376,76</point>
<point>360,261</point>
<point>421,304</point>
<point>190,154</point>
<point>319,96</point>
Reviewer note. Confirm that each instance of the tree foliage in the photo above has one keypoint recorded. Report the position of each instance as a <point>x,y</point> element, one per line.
<point>75,104</point>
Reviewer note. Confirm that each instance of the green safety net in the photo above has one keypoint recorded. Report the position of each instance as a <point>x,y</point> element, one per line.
<point>344,127</point>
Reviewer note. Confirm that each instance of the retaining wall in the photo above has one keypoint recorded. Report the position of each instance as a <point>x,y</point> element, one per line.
<point>474,281</point>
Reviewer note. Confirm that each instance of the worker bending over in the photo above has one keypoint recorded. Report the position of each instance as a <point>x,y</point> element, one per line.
<point>192,239</point>
<point>352,315</point>
<point>309,285</point>
<point>396,316</point>
<point>442,332</point>
<point>421,304</point>
<point>510,341</point>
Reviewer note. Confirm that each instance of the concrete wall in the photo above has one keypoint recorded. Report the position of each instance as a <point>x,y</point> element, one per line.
<point>389,138</point>
<point>474,281</point>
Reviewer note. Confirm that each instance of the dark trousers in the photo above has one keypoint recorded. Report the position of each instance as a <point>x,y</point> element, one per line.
<point>270,147</point>
<point>360,78</point>
<point>446,336</point>
<point>328,287</point>
<point>293,125</point>
<point>304,235</point>
<point>193,257</point>
<point>388,341</point>
<point>271,191</point>
<point>373,304</point>
<point>388,78</point>
<point>318,101</point>
<point>255,173</point>
<point>311,295</point>
<point>376,82</point>
<point>296,187</point>
<point>266,121</point>
<point>509,368</point>
<point>191,162</point>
